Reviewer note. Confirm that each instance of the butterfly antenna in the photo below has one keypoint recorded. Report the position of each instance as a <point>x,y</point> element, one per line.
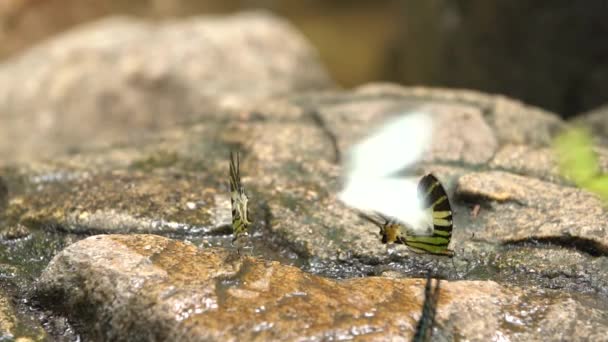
<point>238,166</point>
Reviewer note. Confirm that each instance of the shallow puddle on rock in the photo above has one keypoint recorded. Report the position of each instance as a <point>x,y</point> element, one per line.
<point>21,262</point>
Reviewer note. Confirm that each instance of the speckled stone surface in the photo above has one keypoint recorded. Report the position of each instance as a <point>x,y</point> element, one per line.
<point>148,287</point>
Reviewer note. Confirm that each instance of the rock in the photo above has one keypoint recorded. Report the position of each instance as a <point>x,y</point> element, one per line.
<point>7,319</point>
<point>538,162</point>
<point>526,160</point>
<point>564,269</point>
<point>596,121</point>
<point>14,232</point>
<point>3,195</point>
<point>290,148</point>
<point>515,219</point>
<point>344,118</point>
<point>530,209</point>
<point>13,327</point>
<point>134,202</point>
<point>121,78</point>
<point>153,288</point>
<point>513,122</point>
<point>451,122</point>
<point>453,142</point>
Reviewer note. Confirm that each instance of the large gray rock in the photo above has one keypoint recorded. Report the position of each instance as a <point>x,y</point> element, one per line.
<point>516,221</point>
<point>119,78</point>
<point>145,287</point>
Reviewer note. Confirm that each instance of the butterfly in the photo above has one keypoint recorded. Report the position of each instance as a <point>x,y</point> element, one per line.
<point>415,213</point>
<point>436,205</point>
<point>238,199</point>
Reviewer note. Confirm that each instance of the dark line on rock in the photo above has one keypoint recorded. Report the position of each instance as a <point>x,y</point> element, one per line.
<point>331,136</point>
<point>581,244</point>
<point>274,240</point>
<point>484,201</point>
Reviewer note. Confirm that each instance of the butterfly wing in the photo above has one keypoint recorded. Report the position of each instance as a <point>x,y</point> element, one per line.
<point>238,199</point>
<point>390,197</point>
<point>393,147</point>
<point>370,184</point>
<point>435,202</point>
<point>235,184</point>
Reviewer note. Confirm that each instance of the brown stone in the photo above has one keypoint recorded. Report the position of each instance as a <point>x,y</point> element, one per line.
<point>123,202</point>
<point>528,208</point>
<point>152,288</point>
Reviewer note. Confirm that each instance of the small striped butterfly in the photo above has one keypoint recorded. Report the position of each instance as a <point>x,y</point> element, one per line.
<point>436,204</point>
<point>238,199</point>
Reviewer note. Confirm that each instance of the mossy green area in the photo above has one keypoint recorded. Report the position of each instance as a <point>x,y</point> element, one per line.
<point>579,162</point>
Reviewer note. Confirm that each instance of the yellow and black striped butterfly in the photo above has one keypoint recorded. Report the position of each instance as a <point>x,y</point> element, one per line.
<point>238,199</point>
<point>435,204</point>
<point>424,328</point>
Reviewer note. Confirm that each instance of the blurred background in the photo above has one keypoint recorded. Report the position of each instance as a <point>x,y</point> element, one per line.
<point>552,54</point>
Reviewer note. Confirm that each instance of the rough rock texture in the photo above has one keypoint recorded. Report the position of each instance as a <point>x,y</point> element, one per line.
<point>12,325</point>
<point>124,202</point>
<point>528,209</point>
<point>520,231</point>
<point>3,195</point>
<point>595,120</point>
<point>163,289</point>
<point>119,78</point>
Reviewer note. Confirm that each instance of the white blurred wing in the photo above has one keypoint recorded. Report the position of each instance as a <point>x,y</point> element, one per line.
<point>368,186</point>
<point>396,198</point>
<point>396,145</point>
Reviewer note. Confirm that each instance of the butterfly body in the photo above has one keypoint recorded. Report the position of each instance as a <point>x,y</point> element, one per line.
<point>238,199</point>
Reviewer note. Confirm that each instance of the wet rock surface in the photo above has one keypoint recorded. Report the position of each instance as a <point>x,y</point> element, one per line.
<point>181,203</point>
<point>531,250</point>
<point>164,289</point>
<point>14,326</point>
<point>518,225</point>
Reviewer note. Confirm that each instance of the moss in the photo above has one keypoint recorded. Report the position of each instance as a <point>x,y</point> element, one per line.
<point>578,162</point>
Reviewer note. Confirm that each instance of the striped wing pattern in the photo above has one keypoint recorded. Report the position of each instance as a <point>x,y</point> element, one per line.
<point>433,198</point>
<point>238,198</point>
<point>424,329</point>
